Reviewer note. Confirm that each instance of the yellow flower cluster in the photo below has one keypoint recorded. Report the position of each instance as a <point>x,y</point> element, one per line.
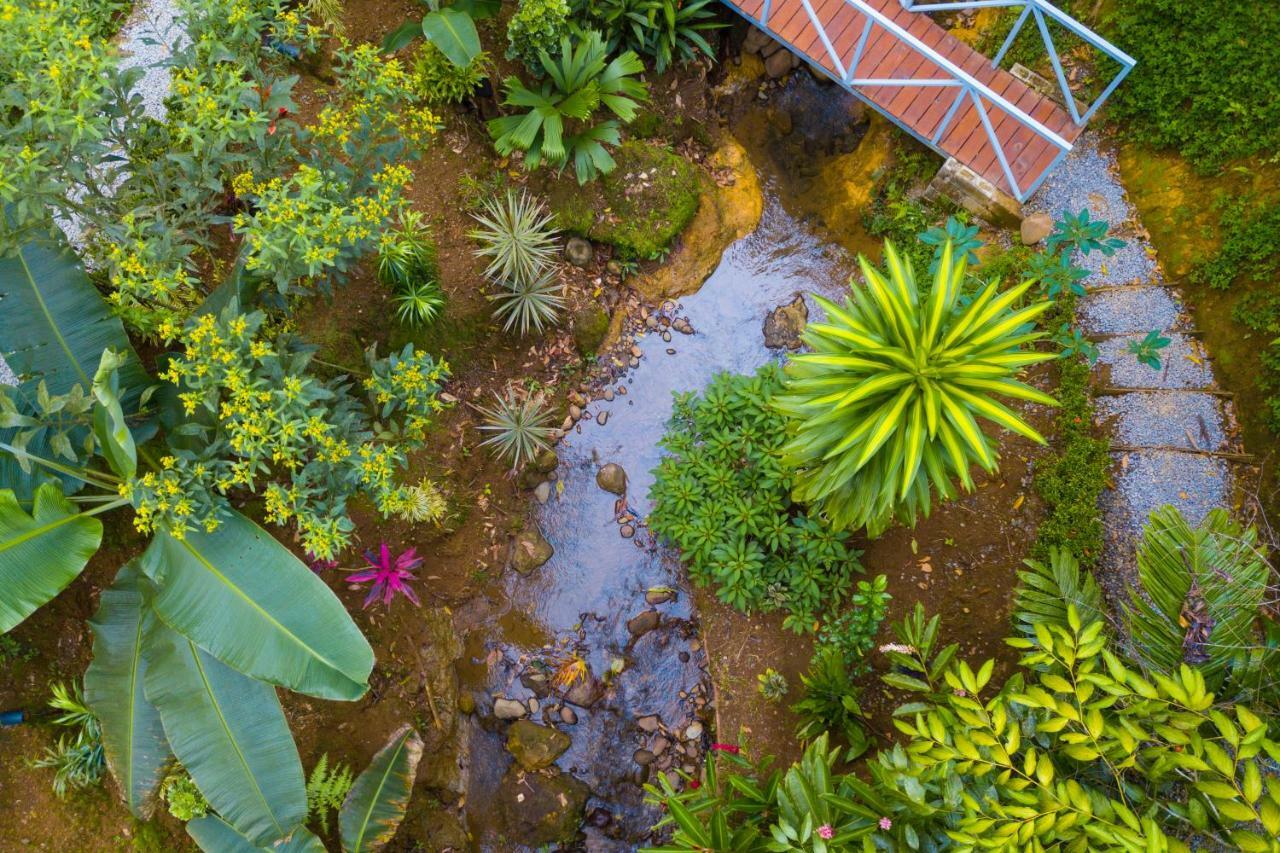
<point>178,497</point>
<point>150,288</point>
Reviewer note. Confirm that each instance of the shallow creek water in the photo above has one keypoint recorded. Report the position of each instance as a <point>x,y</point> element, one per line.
<point>582,599</point>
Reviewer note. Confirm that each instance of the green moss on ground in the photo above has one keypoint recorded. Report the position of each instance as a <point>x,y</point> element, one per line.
<point>590,325</point>
<point>638,216</point>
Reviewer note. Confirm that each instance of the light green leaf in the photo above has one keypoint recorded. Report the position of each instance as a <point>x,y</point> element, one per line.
<point>244,598</point>
<point>115,441</point>
<point>230,733</point>
<point>214,835</point>
<point>376,802</point>
<point>40,553</point>
<point>132,736</point>
<point>454,33</point>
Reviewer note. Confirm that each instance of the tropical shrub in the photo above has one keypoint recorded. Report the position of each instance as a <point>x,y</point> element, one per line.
<point>722,495</point>
<point>182,797</point>
<point>853,632</point>
<point>666,31</point>
<point>518,429</point>
<point>440,81</point>
<point>884,408</point>
<point>557,126</point>
<point>829,702</point>
<point>537,27</point>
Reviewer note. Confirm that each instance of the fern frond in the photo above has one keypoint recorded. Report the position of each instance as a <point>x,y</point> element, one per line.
<point>326,789</point>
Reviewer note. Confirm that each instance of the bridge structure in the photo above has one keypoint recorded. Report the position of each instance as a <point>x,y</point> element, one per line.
<point>893,56</point>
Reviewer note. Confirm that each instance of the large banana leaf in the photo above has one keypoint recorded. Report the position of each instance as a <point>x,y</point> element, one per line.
<point>54,326</point>
<point>113,687</point>
<point>40,553</point>
<point>214,835</point>
<point>376,802</point>
<point>454,33</point>
<point>230,733</point>
<point>241,596</point>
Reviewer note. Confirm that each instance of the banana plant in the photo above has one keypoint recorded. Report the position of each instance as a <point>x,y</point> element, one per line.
<point>885,407</point>
<point>193,636</point>
<point>451,28</point>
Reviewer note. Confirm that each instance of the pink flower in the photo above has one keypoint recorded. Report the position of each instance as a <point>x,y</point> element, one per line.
<point>825,832</point>
<point>726,747</point>
<point>388,577</point>
<point>886,824</point>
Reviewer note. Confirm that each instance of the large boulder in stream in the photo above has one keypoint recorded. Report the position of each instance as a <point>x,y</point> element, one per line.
<point>531,550</point>
<point>535,746</point>
<point>783,325</point>
<point>541,808</point>
<point>612,478</point>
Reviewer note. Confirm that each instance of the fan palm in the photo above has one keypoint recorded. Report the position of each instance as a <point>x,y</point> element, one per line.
<point>885,407</point>
<point>556,126</point>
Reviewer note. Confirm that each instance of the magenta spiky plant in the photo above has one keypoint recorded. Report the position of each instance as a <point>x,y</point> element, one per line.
<point>389,577</point>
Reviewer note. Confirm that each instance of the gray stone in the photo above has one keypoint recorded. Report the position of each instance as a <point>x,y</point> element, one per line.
<point>568,716</point>
<point>783,325</point>
<point>602,418</point>
<point>541,808</point>
<point>1035,228</point>
<point>578,251</point>
<point>612,478</point>
<point>778,64</point>
<point>648,723</point>
<point>642,756</point>
<point>531,550</point>
<point>756,39</point>
<point>543,492</point>
<point>659,595</point>
<point>508,709</point>
<point>627,531</point>
<point>694,731</point>
<point>584,693</point>
<point>535,746</point>
<point>643,623</point>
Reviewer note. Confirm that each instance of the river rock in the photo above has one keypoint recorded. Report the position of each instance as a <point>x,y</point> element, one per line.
<point>568,716</point>
<point>612,478</point>
<point>508,709</point>
<point>466,702</point>
<point>659,745</point>
<point>546,461</point>
<point>694,731</point>
<point>531,551</point>
<point>543,492</point>
<point>644,622</point>
<point>648,723</point>
<point>541,808</point>
<point>1035,228</point>
<point>755,40</point>
<point>535,746</point>
<point>442,830</point>
<point>627,531</point>
<point>602,418</point>
<point>578,251</point>
<point>783,325</point>
<point>642,757</point>
<point>584,693</point>
<point>778,64</point>
<point>659,596</point>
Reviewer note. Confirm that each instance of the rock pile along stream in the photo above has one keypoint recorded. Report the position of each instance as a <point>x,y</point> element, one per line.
<point>1173,431</point>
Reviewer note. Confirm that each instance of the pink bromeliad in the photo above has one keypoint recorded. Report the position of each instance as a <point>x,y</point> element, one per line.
<point>388,577</point>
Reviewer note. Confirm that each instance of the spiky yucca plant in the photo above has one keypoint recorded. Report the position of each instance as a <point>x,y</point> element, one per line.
<point>518,429</point>
<point>885,406</point>
<point>529,305</point>
<point>517,235</point>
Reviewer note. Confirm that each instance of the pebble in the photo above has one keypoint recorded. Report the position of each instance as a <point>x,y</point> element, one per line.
<point>661,596</point>
<point>602,418</point>
<point>533,706</point>
<point>608,395</point>
<point>666,336</point>
<point>543,492</point>
<point>575,411</point>
<point>633,362</point>
<point>659,745</point>
<point>670,351</point>
<point>627,531</point>
<point>648,723</point>
<point>508,709</point>
<point>642,757</point>
<point>636,351</point>
<point>622,389</point>
<point>694,731</point>
<point>568,716</point>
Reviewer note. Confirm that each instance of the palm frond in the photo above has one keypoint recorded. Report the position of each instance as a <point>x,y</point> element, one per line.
<point>1048,589</point>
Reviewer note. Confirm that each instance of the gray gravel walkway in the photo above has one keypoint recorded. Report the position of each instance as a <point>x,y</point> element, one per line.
<point>1171,419</point>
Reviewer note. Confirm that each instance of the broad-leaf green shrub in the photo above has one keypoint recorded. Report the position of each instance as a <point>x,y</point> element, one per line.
<point>439,81</point>
<point>1207,82</point>
<point>666,31</point>
<point>723,496</point>
<point>536,27</point>
<point>559,125</point>
<point>884,408</point>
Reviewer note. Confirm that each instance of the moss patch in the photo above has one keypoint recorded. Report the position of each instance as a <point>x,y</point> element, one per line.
<point>590,324</point>
<point>639,208</point>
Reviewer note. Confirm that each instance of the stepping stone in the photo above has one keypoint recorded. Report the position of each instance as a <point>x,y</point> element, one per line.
<point>1164,419</point>
<point>1183,364</point>
<point>1130,310</point>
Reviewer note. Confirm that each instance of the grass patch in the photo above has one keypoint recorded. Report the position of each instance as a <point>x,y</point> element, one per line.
<point>638,216</point>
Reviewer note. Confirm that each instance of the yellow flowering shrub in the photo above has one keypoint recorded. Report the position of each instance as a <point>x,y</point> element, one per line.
<point>264,424</point>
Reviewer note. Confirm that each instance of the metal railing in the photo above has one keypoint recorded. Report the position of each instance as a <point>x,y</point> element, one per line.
<point>967,86</point>
<point>1041,12</point>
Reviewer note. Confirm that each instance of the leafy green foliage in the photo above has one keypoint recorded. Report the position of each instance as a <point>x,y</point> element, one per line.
<point>1075,345</point>
<point>517,235</point>
<point>1147,350</point>
<point>829,701</point>
<point>772,684</point>
<point>419,303</point>
<point>1206,83</point>
<point>962,237</point>
<point>440,81</point>
<point>518,429</point>
<point>537,27</point>
<point>558,126</point>
<point>723,496</point>
<point>376,803</point>
<point>183,798</point>
<point>884,408</point>
<point>853,632</point>
<point>666,31</point>
<point>327,787</point>
<point>1047,589</point>
<point>1080,233</point>
<point>407,264</point>
<point>453,32</point>
<point>77,759</point>
<point>1058,274</point>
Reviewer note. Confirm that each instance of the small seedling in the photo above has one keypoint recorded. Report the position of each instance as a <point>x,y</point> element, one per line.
<point>1081,232</point>
<point>1148,349</point>
<point>772,685</point>
<point>1073,343</point>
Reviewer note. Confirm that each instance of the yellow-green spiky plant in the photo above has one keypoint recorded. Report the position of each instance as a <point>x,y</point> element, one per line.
<point>885,406</point>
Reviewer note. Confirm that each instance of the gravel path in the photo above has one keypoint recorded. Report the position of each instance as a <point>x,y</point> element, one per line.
<point>1170,418</point>
<point>146,40</point>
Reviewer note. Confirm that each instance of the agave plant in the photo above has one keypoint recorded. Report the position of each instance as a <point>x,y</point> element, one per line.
<point>885,407</point>
<point>557,127</point>
<point>519,429</point>
<point>516,235</point>
<point>533,304</point>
